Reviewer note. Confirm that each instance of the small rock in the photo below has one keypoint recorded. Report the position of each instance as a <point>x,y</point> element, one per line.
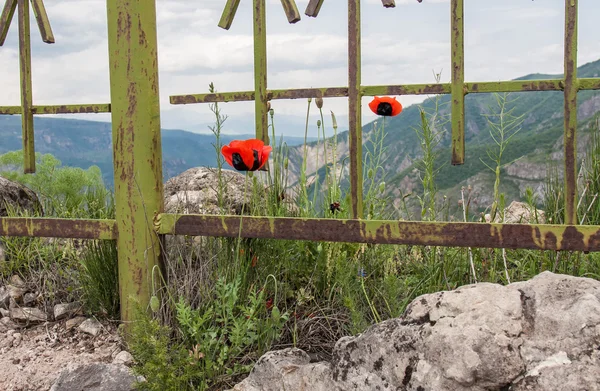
<point>124,357</point>
<point>4,297</point>
<point>97,377</point>
<point>16,292</point>
<point>16,339</point>
<point>5,313</point>
<point>7,324</point>
<point>29,298</point>
<point>74,322</point>
<point>91,326</point>
<point>2,253</point>
<point>17,281</point>
<point>28,314</point>
<point>65,310</point>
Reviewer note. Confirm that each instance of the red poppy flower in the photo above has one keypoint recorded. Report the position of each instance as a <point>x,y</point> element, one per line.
<point>386,106</point>
<point>246,155</point>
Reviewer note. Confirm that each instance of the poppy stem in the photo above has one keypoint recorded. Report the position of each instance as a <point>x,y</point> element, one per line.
<point>237,248</point>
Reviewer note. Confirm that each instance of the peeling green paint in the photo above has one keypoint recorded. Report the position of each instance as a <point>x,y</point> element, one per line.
<point>136,136</point>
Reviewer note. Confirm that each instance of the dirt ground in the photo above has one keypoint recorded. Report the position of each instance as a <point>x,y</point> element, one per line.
<point>33,358</point>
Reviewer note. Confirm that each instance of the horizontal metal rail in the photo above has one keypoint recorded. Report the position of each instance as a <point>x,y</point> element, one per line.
<point>58,228</point>
<point>406,89</point>
<point>59,109</point>
<point>527,236</point>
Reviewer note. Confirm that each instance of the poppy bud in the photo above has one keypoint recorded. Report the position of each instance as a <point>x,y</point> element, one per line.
<point>318,123</point>
<point>370,173</point>
<point>154,303</point>
<point>269,106</point>
<point>333,120</point>
<point>319,102</point>
<point>319,248</point>
<point>382,187</point>
<point>272,112</point>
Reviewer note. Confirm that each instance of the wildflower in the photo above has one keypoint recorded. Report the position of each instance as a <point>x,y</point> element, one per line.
<point>269,303</point>
<point>246,155</point>
<point>386,106</point>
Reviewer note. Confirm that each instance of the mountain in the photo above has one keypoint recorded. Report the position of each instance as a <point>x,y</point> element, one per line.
<point>82,144</point>
<point>524,162</point>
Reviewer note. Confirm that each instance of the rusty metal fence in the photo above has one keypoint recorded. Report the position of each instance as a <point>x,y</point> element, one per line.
<point>140,222</point>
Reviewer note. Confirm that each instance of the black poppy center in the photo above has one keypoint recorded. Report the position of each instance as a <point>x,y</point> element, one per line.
<point>384,108</point>
<point>238,162</point>
<point>256,161</point>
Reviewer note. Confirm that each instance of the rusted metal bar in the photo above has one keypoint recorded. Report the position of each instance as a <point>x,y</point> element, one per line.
<point>313,8</point>
<point>58,228</point>
<point>542,236</point>
<point>354,108</point>
<point>570,102</point>
<point>407,89</point>
<point>404,89</point>
<point>5,18</point>
<point>59,109</point>
<point>26,87</point>
<point>388,3</point>
<point>42,20</point>
<point>588,84</point>
<point>135,104</point>
<point>514,86</point>
<point>271,95</point>
<point>260,71</point>
<point>228,14</point>
<point>291,10</point>
<point>458,76</point>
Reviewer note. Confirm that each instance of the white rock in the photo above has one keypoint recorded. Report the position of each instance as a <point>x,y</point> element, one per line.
<point>91,326</point>
<point>28,314</point>
<point>123,357</point>
<point>62,311</point>
<point>538,335</point>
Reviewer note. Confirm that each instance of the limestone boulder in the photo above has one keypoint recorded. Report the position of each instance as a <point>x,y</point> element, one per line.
<point>196,190</point>
<point>541,334</point>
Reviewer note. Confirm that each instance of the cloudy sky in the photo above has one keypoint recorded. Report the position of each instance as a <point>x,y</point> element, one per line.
<point>505,39</point>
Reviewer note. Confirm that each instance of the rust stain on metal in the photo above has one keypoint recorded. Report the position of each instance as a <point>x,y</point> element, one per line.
<point>354,108</point>
<point>58,228</point>
<point>547,237</point>
<point>570,110</point>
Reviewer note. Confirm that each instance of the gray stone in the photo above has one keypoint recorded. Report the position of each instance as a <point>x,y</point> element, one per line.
<point>123,357</point>
<point>15,197</point>
<point>4,297</point>
<point>4,313</point>
<point>96,377</point>
<point>28,314</point>
<point>16,293</point>
<point>2,252</point>
<point>17,281</point>
<point>29,299</point>
<point>91,326</point>
<point>542,334</point>
<point>62,311</point>
<point>71,323</point>
<point>7,324</point>
<point>195,191</point>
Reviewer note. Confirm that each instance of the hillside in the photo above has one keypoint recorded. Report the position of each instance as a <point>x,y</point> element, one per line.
<point>85,143</point>
<point>524,163</point>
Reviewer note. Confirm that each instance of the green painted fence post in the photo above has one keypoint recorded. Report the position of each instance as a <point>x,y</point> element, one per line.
<point>137,156</point>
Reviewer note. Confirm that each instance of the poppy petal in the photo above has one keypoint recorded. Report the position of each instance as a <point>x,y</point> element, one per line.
<point>227,152</point>
<point>373,104</point>
<point>264,155</point>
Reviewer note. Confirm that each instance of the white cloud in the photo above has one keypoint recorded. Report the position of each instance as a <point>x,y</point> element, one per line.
<point>504,39</point>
